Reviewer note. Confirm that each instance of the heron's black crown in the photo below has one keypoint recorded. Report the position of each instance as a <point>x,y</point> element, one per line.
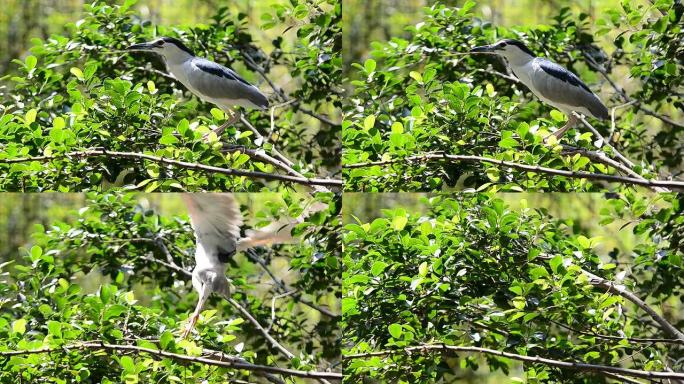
<point>178,43</point>
<point>517,43</point>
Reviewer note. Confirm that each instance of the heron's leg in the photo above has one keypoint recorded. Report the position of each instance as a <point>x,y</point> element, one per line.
<point>234,118</point>
<point>572,120</point>
<point>204,295</point>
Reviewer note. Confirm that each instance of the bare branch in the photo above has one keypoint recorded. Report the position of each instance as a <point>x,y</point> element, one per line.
<point>625,97</point>
<point>435,156</point>
<point>182,164</point>
<point>225,362</point>
<point>284,288</point>
<point>600,369</point>
<point>279,91</point>
<point>627,294</point>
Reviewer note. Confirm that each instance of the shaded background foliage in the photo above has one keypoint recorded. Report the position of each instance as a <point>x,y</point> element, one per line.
<point>95,274</point>
<point>411,95</point>
<point>502,272</point>
<point>77,89</point>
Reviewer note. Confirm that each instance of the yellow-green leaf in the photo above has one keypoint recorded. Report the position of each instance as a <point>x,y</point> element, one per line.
<point>76,72</point>
<point>30,116</point>
<point>19,326</point>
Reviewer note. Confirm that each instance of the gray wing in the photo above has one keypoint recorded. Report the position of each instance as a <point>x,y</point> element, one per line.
<point>554,87</point>
<point>221,83</point>
<point>216,219</point>
<point>278,232</point>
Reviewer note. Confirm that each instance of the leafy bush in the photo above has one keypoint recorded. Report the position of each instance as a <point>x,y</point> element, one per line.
<point>419,98</point>
<point>473,273</point>
<point>79,104</point>
<point>117,276</point>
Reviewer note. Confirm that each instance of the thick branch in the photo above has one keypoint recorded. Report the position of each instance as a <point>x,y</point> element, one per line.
<point>601,369</point>
<point>671,185</point>
<point>182,164</point>
<point>230,363</point>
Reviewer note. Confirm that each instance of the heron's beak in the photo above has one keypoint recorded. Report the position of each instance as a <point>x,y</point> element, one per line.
<point>483,49</point>
<point>144,47</point>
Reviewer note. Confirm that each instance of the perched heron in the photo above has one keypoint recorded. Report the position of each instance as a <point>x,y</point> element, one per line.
<point>210,81</point>
<point>550,82</point>
<point>216,220</point>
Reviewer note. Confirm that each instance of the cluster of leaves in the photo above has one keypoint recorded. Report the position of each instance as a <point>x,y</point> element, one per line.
<point>83,91</point>
<point>426,94</point>
<point>52,299</point>
<point>474,272</point>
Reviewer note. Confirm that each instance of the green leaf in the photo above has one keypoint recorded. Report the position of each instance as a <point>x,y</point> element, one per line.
<point>151,87</point>
<point>166,339</point>
<point>58,123</point>
<point>77,72</point>
<point>31,62</point>
<point>423,269</point>
<point>114,311</point>
<point>19,326</point>
<point>218,114</point>
<point>556,262</point>
<point>583,242</point>
<point>55,328</point>
<point>395,330</point>
<point>369,65</point>
<point>378,267</point>
<point>557,115</point>
<point>369,122</point>
<point>399,222</point>
<point>127,363</point>
<point>30,116</point>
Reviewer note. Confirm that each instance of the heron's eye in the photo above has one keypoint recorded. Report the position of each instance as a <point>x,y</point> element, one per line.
<point>160,43</point>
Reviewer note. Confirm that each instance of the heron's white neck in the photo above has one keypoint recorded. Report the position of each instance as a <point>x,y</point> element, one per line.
<point>174,56</point>
<point>516,57</point>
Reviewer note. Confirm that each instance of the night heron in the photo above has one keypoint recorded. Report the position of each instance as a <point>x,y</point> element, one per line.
<point>210,81</point>
<point>216,220</point>
<point>550,82</point>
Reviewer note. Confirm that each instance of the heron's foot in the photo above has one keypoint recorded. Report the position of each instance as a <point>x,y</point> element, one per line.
<point>190,326</point>
<point>234,118</point>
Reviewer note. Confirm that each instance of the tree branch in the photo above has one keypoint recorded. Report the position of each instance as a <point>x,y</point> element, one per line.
<point>601,369</point>
<point>627,294</point>
<point>229,363</point>
<point>625,97</point>
<point>639,340</point>
<point>284,288</point>
<point>279,91</point>
<point>182,164</point>
<point>670,185</point>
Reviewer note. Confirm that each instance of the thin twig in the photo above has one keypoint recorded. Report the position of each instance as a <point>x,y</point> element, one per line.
<point>625,97</point>
<point>284,288</point>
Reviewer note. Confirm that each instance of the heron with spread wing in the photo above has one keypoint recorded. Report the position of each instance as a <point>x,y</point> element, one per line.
<point>216,220</point>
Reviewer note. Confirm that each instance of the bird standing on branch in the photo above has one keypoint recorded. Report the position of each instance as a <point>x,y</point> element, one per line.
<point>210,81</point>
<point>216,220</point>
<point>550,82</point>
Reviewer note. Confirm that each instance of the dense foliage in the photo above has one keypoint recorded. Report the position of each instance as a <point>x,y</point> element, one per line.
<point>115,276</point>
<point>427,95</point>
<point>83,92</point>
<point>474,272</point>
